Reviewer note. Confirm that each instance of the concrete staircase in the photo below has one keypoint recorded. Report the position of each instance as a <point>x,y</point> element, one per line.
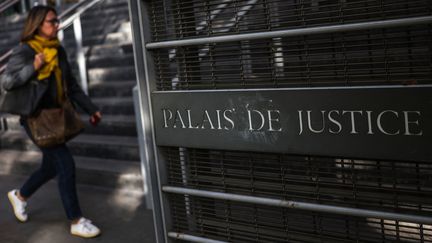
<point>106,155</point>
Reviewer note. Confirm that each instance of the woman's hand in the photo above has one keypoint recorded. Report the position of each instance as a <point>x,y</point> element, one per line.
<point>95,118</point>
<point>39,61</point>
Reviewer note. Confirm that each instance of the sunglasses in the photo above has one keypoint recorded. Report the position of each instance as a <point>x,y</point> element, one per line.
<point>54,21</point>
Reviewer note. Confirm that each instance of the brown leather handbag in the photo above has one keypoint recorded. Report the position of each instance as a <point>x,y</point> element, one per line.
<point>51,127</point>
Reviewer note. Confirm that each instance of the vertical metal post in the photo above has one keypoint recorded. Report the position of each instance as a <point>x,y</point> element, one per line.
<point>145,78</point>
<point>142,141</point>
<point>23,6</point>
<point>80,54</point>
<point>60,35</point>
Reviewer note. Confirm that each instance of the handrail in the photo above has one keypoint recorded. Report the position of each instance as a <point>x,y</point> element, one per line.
<point>7,4</point>
<point>64,24</point>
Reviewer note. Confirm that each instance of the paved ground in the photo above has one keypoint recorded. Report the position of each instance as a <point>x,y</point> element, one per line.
<point>122,218</point>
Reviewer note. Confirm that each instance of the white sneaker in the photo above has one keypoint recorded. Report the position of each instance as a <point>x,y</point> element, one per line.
<point>84,228</point>
<point>18,206</point>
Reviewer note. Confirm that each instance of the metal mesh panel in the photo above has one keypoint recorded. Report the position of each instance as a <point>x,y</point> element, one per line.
<point>179,19</point>
<point>234,222</point>
<point>382,56</point>
<point>379,185</point>
<point>397,56</point>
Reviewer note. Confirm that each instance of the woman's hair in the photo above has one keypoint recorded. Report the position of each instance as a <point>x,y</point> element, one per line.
<point>35,18</point>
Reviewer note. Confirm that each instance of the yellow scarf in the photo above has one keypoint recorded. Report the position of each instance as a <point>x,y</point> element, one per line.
<point>49,49</point>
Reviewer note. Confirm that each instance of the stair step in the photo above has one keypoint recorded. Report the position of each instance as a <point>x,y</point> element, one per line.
<point>101,146</point>
<point>96,30</point>
<point>92,171</point>
<point>119,38</point>
<point>7,47</point>
<point>16,140</point>
<point>106,6</point>
<point>111,89</point>
<point>113,73</point>
<point>113,125</point>
<point>7,38</point>
<point>115,106</point>
<point>9,122</point>
<point>116,51</point>
<point>88,31</point>
<point>109,147</point>
<point>122,175</point>
<point>110,61</point>
<point>96,16</point>
<point>17,162</point>
<point>11,20</point>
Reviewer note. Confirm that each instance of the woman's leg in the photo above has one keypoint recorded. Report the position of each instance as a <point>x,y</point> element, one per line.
<point>65,167</point>
<point>46,172</point>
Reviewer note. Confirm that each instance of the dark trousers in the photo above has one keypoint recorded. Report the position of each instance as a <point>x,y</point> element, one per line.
<point>56,161</point>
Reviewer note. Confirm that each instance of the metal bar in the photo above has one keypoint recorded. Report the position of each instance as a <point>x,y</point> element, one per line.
<point>294,32</point>
<point>6,55</point>
<point>300,205</point>
<point>191,238</point>
<point>6,5</point>
<point>145,169</point>
<point>2,68</point>
<point>80,54</point>
<point>293,89</point>
<point>144,64</point>
<point>23,6</point>
<point>2,4</point>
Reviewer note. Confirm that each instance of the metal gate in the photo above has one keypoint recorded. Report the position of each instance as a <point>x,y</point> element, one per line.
<point>215,179</point>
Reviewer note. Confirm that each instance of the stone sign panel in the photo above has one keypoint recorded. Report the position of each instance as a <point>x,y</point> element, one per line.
<point>377,123</point>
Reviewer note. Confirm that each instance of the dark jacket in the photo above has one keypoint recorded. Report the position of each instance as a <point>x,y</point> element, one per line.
<point>20,73</point>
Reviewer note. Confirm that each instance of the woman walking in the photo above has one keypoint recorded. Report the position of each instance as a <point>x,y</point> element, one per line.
<point>40,58</point>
